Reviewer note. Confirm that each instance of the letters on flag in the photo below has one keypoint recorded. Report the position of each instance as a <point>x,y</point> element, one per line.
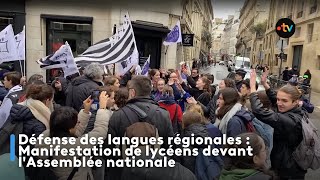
<point>146,67</point>
<point>8,50</point>
<point>20,44</point>
<point>62,58</point>
<point>116,49</point>
<point>174,35</point>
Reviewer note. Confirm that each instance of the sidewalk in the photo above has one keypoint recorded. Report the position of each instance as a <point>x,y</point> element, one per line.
<point>315,99</point>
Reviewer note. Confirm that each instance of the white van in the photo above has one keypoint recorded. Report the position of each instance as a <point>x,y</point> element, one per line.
<point>239,61</point>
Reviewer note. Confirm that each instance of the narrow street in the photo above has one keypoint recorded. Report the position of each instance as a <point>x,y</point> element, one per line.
<point>221,72</point>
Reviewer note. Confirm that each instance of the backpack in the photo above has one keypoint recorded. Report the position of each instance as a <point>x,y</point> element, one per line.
<point>208,167</point>
<point>307,154</point>
<point>142,125</point>
<point>10,127</point>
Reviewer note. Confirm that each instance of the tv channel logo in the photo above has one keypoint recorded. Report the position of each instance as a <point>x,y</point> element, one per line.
<point>285,28</point>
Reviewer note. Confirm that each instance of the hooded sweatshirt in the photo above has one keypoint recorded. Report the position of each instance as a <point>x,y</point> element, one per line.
<point>168,103</point>
<point>239,174</point>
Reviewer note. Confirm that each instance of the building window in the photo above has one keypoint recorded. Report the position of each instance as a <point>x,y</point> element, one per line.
<point>76,32</point>
<point>300,9</point>
<point>313,6</point>
<point>5,21</point>
<point>310,32</point>
<point>298,31</point>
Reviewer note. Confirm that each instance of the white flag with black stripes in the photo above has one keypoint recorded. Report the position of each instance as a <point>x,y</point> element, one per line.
<point>116,49</point>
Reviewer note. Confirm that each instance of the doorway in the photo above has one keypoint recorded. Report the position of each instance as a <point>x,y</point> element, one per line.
<point>297,56</point>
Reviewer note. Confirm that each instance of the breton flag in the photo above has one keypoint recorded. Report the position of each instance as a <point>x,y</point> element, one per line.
<point>62,58</point>
<point>8,48</point>
<point>117,48</point>
<point>174,35</point>
<point>146,67</point>
<point>21,44</point>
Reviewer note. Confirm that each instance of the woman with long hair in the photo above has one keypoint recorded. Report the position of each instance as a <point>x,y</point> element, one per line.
<point>156,95</point>
<point>202,92</point>
<point>232,118</point>
<point>286,121</point>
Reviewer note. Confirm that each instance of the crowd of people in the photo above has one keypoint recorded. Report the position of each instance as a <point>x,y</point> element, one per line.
<point>171,101</point>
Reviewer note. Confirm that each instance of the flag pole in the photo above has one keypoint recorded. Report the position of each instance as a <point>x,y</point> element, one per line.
<point>21,68</point>
<point>24,62</point>
<point>114,64</point>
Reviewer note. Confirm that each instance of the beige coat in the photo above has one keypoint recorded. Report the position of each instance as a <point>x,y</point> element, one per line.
<point>100,130</point>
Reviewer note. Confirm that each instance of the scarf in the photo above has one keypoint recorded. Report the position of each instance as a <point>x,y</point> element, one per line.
<point>223,123</point>
<point>40,111</point>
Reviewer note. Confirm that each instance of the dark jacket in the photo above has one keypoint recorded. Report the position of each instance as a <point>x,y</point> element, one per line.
<point>60,96</point>
<point>293,72</point>
<point>3,92</point>
<point>285,75</point>
<point>287,135</point>
<point>79,90</point>
<point>199,130</point>
<point>192,81</point>
<point>198,95</point>
<point>119,121</point>
<point>237,124</point>
<point>30,124</point>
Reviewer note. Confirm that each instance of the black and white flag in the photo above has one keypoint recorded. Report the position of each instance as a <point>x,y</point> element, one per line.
<point>62,58</point>
<point>116,49</point>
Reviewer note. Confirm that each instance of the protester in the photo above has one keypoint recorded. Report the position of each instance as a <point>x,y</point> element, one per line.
<point>110,92</point>
<point>35,77</point>
<point>245,93</point>
<point>240,74</point>
<point>167,102</point>
<point>35,110</point>
<point>248,167</point>
<point>112,81</point>
<point>82,87</point>
<point>139,97</point>
<point>308,74</point>
<point>60,85</point>
<point>154,76</point>
<point>232,118</point>
<point>3,92</point>
<point>12,83</point>
<point>121,98</point>
<point>210,109</point>
<point>294,72</point>
<point>156,95</point>
<point>286,123</point>
<point>193,79</point>
<point>202,92</point>
<point>212,130</point>
<point>66,122</point>
<point>285,74</point>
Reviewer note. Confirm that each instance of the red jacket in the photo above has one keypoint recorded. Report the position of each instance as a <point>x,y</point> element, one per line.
<point>171,108</point>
